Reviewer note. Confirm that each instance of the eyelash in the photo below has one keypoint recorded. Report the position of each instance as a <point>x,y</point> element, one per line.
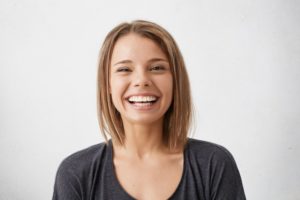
<point>123,70</point>
<point>155,68</point>
<point>158,67</point>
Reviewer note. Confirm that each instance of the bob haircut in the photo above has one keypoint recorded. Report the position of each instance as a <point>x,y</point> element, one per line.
<point>178,117</point>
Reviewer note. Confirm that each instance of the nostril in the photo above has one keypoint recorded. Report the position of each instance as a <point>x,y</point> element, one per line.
<point>144,85</point>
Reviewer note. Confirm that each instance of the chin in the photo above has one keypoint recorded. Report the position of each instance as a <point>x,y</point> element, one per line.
<point>144,120</point>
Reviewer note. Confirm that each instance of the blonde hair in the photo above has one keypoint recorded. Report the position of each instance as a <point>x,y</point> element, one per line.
<point>178,118</point>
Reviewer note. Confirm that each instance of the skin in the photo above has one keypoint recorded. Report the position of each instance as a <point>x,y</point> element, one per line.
<point>138,65</point>
<point>134,70</point>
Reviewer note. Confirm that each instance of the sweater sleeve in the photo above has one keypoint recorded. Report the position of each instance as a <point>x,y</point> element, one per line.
<point>225,179</point>
<point>67,185</point>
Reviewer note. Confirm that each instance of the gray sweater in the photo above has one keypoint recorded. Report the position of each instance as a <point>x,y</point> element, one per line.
<point>209,173</point>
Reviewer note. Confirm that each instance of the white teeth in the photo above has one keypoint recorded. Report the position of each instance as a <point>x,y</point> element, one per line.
<point>142,98</point>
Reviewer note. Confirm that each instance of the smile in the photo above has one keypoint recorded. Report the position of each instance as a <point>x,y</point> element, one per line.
<point>142,102</point>
<point>142,99</point>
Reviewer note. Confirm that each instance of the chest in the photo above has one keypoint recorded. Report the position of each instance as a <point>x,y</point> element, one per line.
<point>153,180</point>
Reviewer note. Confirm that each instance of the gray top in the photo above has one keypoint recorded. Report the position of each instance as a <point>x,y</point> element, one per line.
<point>209,173</point>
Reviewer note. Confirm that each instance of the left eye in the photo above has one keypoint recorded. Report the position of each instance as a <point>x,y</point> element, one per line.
<point>157,67</point>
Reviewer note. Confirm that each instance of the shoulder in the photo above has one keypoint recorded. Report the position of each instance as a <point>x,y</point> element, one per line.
<point>209,151</point>
<point>215,165</point>
<point>75,173</point>
<point>83,159</point>
<point>201,146</point>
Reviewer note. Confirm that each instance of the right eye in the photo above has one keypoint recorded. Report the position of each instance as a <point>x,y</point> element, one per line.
<point>123,69</point>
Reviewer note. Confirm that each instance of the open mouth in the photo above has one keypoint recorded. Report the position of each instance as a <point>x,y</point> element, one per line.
<point>142,101</point>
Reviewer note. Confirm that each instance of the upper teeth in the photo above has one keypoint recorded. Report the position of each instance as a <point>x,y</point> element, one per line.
<point>142,98</point>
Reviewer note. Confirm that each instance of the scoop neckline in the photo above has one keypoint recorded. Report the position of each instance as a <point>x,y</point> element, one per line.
<point>120,187</point>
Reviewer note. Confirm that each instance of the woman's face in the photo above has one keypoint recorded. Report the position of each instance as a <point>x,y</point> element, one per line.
<point>141,82</point>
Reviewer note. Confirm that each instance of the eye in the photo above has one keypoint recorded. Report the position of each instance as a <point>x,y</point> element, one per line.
<point>123,69</point>
<point>157,68</point>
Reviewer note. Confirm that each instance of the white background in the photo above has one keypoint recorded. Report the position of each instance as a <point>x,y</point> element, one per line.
<point>243,59</point>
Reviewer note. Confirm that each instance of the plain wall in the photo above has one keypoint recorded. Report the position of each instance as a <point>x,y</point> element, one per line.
<point>243,59</point>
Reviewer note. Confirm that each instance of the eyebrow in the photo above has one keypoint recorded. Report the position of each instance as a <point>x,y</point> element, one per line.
<point>151,60</point>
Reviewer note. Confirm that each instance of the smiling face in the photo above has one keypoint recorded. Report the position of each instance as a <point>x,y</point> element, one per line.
<point>141,81</point>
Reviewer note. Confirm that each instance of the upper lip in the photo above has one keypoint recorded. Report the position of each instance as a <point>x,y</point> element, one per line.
<point>142,94</point>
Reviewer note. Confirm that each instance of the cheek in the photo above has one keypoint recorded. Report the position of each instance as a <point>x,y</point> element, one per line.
<point>167,85</point>
<point>117,90</point>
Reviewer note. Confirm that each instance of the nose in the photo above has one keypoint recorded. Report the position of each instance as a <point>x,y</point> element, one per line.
<point>142,79</point>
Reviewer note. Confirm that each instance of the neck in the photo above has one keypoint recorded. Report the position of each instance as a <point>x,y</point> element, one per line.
<point>142,141</point>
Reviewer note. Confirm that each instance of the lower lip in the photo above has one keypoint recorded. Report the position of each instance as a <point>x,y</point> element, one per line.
<point>143,106</point>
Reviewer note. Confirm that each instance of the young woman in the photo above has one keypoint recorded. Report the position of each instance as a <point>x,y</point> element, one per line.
<point>144,106</point>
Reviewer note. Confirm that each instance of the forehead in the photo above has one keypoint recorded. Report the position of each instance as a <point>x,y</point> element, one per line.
<point>136,48</point>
